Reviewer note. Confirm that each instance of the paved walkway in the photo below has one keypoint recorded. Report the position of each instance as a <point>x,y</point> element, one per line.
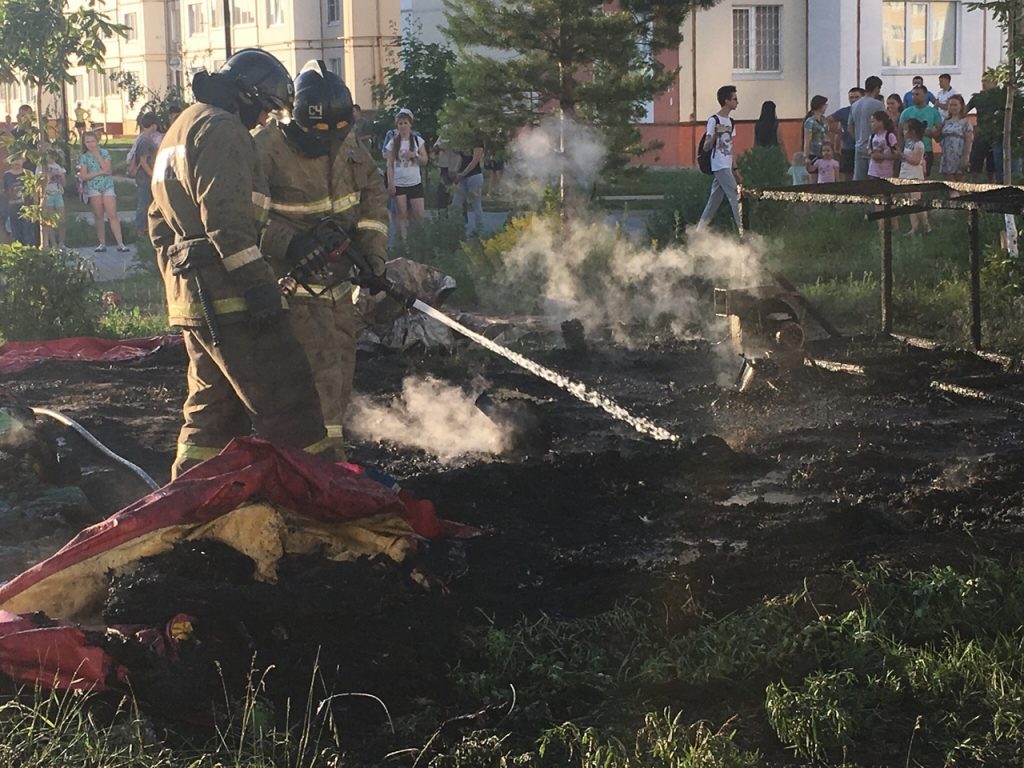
<point>110,265</point>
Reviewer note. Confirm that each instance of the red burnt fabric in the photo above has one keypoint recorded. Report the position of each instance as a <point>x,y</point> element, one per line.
<point>16,356</point>
<point>249,468</point>
<point>54,657</point>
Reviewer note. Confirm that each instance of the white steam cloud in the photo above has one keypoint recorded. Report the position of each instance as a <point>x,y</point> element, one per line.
<point>593,272</point>
<point>433,416</point>
<point>542,154</point>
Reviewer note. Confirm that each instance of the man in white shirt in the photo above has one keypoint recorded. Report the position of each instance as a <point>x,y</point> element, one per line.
<point>945,91</point>
<point>718,141</point>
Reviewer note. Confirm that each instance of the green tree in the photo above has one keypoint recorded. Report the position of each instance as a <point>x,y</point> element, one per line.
<point>520,59</point>
<point>1010,15</point>
<point>418,80</point>
<point>38,41</point>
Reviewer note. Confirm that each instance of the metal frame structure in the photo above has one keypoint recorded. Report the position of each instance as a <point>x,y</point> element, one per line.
<point>893,196</point>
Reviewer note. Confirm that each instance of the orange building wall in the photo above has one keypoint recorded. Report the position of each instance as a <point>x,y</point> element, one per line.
<point>679,141</point>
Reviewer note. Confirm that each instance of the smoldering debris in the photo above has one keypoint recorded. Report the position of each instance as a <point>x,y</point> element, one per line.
<point>591,272</point>
<point>433,416</point>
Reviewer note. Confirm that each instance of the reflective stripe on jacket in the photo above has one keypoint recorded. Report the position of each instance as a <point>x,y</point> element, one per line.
<point>207,184</point>
<point>344,185</point>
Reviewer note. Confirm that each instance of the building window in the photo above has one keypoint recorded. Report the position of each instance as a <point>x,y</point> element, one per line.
<point>131,21</point>
<point>196,20</point>
<point>757,38</point>
<point>334,65</point>
<point>216,14</point>
<point>243,13</point>
<point>98,84</point>
<point>333,11</point>
<point>275,12</point>
<point>919,34</point>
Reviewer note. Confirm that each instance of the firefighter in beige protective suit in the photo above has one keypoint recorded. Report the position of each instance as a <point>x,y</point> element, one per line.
<point>246,370</point>
<point>315,168</point>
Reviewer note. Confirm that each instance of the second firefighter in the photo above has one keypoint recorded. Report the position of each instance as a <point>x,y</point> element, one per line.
<point>316,169</point>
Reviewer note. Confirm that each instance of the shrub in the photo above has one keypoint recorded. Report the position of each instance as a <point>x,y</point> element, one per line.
<point>131,323</point>
<point>437,241</point>
<point>687,199</point>
<point>45,294</point>
<point>763,167</point>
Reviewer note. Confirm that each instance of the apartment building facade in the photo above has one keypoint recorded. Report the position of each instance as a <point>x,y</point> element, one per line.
<point>787,51</point>
<point>168,40</point>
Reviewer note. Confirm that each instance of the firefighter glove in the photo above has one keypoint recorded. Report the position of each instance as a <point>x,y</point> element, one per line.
<point>306,251</point>
<point>264,304</point>
<point>374,284</point>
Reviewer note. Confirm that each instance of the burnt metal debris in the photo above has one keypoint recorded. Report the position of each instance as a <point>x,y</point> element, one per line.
<point>896,198</point>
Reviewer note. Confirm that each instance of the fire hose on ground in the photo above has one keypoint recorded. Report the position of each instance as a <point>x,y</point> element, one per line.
<point>91,439</point>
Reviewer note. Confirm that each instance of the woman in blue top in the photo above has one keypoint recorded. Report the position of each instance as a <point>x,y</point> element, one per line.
<point>95,171</point>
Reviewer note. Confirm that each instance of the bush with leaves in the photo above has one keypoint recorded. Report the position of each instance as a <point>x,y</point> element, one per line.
<point>763,167</point>
<point>45,294</point>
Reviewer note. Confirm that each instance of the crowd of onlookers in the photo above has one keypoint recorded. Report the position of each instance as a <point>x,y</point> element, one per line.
<point>461,186</point>
<point>870,138</point>
<point>403,150</point>
<point>94,172</point>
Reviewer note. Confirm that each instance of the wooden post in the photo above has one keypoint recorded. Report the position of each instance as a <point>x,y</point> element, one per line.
<point>974,244</point>
<point>886,276</point>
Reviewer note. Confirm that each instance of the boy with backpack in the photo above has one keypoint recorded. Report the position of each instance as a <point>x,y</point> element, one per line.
<point>715,158</point>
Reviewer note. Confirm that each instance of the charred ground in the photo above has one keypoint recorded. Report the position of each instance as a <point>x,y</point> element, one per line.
<point>789,485</point>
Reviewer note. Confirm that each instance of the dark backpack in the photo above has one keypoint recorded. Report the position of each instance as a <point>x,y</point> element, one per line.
<point>704,155</point>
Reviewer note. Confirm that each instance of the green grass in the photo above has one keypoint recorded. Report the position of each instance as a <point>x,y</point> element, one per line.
<point>933,658</point>
<point>647,181</point>
<point>898,668</point>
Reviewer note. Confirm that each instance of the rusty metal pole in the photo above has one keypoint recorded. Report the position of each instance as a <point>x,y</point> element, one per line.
<point>974,244</point>
<point>886,276</point>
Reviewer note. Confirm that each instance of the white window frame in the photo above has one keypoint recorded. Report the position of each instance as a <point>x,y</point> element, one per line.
<point>236,13</point>
<point>333,19</point>
<point>216,14</point>
<point>927,67</point>
<point>336,65</point>
<point>197,21</point>
<point>751,71</point>
<point>131,21</point>
<point>275,13</point>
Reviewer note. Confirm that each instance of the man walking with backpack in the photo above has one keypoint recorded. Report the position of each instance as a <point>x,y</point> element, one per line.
<point>715,158</point>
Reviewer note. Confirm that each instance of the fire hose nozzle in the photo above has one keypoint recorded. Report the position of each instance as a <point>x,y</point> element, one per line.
<point>288,285</point>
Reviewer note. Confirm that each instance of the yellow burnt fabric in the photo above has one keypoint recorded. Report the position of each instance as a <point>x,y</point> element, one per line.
<point>262,531</point>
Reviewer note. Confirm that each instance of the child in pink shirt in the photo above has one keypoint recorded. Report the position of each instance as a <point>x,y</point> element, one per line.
<point>826,167</point>
<point>882,146</point>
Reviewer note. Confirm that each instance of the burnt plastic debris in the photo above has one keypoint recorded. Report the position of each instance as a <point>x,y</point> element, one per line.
<point>572,334</point>
<point>520,416</point>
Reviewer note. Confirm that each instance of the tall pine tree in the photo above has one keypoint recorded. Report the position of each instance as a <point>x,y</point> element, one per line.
<point>596,61</point>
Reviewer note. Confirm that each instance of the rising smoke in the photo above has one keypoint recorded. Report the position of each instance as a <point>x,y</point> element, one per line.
<point>433,416</point>
<point>543,154</point>
<point>589,269</point>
